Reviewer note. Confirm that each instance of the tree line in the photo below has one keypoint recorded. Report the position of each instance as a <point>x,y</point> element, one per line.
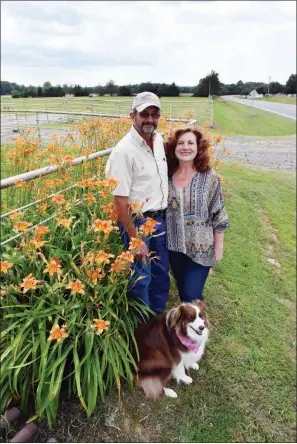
<point>209,85</point>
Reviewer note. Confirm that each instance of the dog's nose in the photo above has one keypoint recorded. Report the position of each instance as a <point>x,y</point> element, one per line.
<point>201,328</point>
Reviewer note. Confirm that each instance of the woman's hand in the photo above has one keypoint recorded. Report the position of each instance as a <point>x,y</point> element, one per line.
<point>219,252</point>
<point>218,245</point>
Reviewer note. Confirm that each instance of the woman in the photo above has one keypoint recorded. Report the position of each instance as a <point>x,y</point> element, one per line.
<point>196,217</point>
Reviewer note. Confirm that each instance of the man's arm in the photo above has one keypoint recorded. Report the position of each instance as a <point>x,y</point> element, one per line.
<point>125,217</point>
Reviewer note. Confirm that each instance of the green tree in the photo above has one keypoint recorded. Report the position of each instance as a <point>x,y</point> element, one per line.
<point>208,85</point>
<point>275,88</point>
<point>291,84</point>
<point>111,88</point>
<point>124,90</point>
<point>15,94</point>
<point>39,91</point>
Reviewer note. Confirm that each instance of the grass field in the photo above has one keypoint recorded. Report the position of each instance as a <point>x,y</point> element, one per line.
<point>245,388</point>
<point>235,119</point>
<point>280,99</point>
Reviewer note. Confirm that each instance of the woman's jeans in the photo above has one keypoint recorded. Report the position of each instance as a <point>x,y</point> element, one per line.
<point>153,287</point>
<point>190,277</point>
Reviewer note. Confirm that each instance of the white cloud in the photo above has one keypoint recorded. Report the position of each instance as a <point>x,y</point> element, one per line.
<point>135,41</point>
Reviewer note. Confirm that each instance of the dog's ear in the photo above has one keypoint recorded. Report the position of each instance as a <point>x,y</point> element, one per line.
<point>175,315</point>
<point>201,305</point>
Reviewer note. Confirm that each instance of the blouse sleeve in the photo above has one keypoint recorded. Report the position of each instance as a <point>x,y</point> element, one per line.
<point>219,216</point>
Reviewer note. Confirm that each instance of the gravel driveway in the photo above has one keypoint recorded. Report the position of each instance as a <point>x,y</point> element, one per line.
<point>271,153</point>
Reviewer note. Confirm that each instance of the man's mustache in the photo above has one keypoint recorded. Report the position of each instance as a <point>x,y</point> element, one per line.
<point>149,123</point>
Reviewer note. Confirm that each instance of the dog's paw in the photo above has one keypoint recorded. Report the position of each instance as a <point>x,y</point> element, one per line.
<point>187,379</point>
<point>195,366</point>
<point>170,393</point>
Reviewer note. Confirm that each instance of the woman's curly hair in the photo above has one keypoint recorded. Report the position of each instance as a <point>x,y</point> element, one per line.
<point>202,159</point>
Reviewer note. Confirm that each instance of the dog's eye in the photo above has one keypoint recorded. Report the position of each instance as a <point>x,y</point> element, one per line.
<point>200,315</point>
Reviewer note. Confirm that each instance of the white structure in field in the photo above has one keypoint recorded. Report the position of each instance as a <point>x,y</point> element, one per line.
<point>254,95</point>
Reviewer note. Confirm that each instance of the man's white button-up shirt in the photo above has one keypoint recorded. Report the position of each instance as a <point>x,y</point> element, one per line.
<point>141,172</point>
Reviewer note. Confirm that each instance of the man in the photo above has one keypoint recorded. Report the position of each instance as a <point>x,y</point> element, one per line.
<point>138,162</point>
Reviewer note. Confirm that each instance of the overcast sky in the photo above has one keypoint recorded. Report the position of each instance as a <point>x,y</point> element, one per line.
<point>91,42</point>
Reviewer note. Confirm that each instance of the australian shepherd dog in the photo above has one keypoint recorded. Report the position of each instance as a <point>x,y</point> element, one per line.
<point>170,344</point>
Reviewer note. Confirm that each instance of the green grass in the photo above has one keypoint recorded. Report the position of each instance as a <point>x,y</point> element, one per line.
<point>245,388</point>
<point>235,119</point>
<point>280,99</point>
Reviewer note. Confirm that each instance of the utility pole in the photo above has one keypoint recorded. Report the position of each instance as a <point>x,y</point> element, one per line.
<point>269,78</point>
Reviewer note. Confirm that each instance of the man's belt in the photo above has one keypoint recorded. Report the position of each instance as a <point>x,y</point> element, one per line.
<point>154,213</point>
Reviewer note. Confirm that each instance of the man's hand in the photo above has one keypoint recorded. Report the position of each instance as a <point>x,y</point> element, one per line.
<point>142,253</point>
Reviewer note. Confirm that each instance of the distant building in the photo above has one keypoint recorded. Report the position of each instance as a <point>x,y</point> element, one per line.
<point>254,95</point>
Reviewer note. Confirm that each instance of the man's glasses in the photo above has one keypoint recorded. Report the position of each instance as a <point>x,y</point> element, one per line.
<point>145,115</point>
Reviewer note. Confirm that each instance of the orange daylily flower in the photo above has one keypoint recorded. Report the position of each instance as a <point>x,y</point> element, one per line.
<point>87,183</point>
<point>103,258</point>
<point>126,256</point>
<point>29,283</point>
<point>76,287</point>
<point>68,158</point>
<point>136,207</point>
<point>89,197</point>
<point>110,211</point>
<point>135,243</point>
<point>16,215</point>
<point>100,325</point>
<point>22,226</point>
<point>40,231</point>
<point>58,333</point>
<point>37,243</point>
<point>104,226</point>
<point>64,222</point>
<point>59,199</point>
<point>109,183</point>
<point>4,266</point>
<point>149,226</point>
<point>42,207</point>
<point>53,267</point>
<point>19,183</point>
<point>104,194</point>
<point>94,275</point>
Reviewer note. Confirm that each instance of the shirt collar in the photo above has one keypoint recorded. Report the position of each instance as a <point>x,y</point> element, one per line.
<point>138,137</point>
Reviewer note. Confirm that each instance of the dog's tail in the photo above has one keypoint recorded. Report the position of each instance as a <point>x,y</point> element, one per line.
<point>152,386</point>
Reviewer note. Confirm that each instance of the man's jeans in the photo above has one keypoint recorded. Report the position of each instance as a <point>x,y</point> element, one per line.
<point>153,288</point>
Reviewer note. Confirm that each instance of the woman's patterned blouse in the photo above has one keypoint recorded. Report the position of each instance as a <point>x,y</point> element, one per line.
<point>193,214</point>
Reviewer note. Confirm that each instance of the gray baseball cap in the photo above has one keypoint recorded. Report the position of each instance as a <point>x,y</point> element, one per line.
<point>144,100</point>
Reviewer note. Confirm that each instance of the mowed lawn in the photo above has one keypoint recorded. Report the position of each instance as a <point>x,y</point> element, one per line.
<point>280,99</point>
<point>245,390</point>
<point>232,118</point>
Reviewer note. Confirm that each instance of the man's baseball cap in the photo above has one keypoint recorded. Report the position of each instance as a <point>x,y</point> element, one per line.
<point>144,100</point>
